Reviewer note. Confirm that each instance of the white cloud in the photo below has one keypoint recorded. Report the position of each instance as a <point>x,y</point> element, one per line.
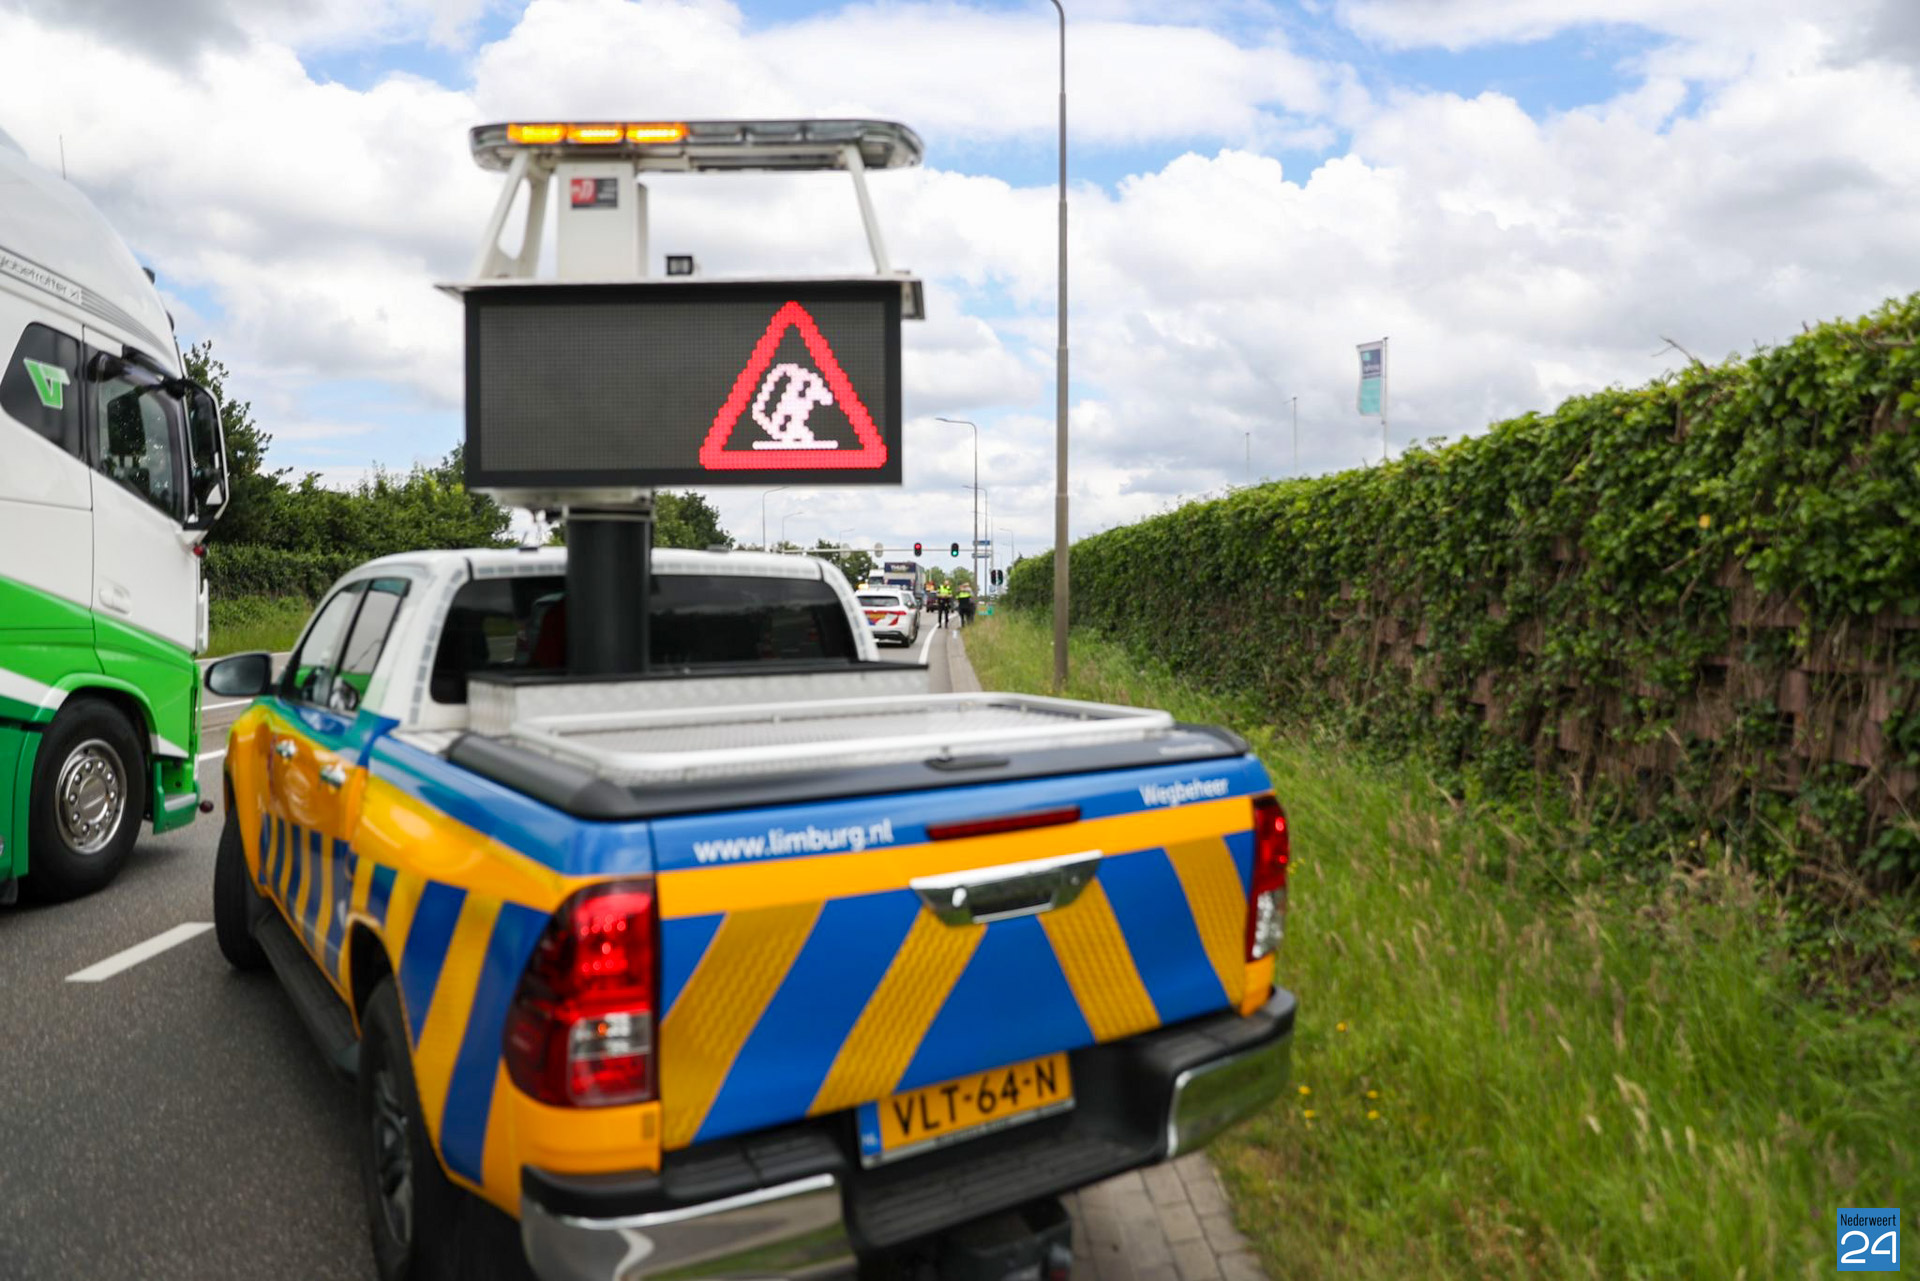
<point>960,75</point>
<point>1754,175</point>
<point>1461,24</point>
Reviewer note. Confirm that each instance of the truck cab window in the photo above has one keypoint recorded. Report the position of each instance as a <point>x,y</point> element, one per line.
<point>38,386</point>
<point>137,433</point>
<point>313,667</point>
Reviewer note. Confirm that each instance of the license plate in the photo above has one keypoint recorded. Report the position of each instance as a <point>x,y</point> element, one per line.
<point>965,1108</point>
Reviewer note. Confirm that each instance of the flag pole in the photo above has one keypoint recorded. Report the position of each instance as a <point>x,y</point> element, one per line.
<point>1385,387</point>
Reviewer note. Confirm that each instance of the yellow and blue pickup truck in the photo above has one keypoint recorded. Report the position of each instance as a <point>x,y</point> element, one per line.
<point>766,963</point>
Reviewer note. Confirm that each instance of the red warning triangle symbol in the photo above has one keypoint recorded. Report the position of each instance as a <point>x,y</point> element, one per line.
<point>714,454</point>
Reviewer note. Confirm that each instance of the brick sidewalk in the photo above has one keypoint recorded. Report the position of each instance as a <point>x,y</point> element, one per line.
<point>1165,1223</point>
<point>1169,1222</point>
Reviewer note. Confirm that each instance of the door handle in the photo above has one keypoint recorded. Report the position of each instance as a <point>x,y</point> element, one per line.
<point>1001,893</point>
<point>283,748</point>
<point>334,775</point>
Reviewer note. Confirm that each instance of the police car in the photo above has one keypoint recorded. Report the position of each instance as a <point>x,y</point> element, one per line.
<point>890,615</point>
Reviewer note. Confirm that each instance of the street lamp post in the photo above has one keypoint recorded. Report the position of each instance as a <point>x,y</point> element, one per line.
<point>1296,435</point>
<point>985,497</point>
<point>974,551</point>
<point>1060,402</point>
<point>986,501</point>
<point>763,515</point>
<point>783,530</point>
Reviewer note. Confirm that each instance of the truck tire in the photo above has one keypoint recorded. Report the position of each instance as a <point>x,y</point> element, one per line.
<point>425,1228</point>
<point>235,902</point>
<point>89,796</point>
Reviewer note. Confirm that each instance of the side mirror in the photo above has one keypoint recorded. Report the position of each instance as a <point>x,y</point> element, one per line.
<point>206,458</point>
<point>241,676</point>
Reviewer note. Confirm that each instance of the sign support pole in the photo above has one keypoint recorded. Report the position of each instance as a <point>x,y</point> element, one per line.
<point>610,589</point>
<point>1384,386</point>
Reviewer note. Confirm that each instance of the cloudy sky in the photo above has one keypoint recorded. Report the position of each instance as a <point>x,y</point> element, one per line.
<point>1528,196</point>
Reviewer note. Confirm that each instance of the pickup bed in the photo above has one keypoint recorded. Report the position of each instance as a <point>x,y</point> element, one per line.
<point>761,963</point>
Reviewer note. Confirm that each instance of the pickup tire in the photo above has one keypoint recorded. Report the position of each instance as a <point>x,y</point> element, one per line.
<point>236,904</point>
<point>425,1228</point>
<point>89,797</point>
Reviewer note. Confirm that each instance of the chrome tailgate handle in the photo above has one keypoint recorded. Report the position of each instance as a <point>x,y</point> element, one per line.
<point>986,894</point>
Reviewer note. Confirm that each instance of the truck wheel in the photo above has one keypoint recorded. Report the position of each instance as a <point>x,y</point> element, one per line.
<point>89,795</point>
<point>235,903</point>
<point>424,1227</point>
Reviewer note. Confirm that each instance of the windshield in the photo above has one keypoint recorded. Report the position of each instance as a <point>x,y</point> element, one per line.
<point>880,598</point>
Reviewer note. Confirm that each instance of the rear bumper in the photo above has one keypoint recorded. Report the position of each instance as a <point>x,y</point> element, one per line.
<point>795,1202</point>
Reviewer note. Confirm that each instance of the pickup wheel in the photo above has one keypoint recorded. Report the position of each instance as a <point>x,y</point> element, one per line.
<point>89,795</point>
<point>425,1228</point>
<point>235,902</point>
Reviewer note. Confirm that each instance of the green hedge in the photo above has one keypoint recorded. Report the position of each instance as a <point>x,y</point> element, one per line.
<point>247,570</point>
<point>1695,601</point>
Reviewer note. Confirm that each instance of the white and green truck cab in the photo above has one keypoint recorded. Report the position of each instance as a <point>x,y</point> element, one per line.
<point>112,469</point>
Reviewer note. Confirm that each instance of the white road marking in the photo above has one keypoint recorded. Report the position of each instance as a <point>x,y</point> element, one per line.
<point>215,707</point>
<point>140,952</point>
<point>926,645</point>
<point>208,756</point>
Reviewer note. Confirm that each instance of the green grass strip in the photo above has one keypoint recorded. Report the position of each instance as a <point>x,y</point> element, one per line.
<point>238,624</point>
<point>1495,1079</point>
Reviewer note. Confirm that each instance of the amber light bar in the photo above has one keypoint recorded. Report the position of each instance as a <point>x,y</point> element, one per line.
<point>704,144</point>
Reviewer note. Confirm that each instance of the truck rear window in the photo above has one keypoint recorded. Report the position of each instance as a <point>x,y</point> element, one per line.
<point>520,624</point>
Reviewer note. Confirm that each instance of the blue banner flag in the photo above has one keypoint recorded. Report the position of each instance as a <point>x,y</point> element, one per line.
<point>1373,377</point>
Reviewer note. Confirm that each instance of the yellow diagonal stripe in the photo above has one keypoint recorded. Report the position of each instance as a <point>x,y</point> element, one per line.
<point>452,1001</point>
<point>362,885</point>
<point>1219,904</point>
<point>1094,956</point>
<point>876,1053</point>
<point>743,967</point>
<point>323,869</point>
<point>309,871</point>
<point>285,835</point>
<point>402,899</point>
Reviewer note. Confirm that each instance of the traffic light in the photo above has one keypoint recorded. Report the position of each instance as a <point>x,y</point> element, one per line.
<point>916,549</point>
<point>954,550</point>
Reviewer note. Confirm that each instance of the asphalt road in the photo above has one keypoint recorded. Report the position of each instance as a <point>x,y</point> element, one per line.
<point>174,1119</point>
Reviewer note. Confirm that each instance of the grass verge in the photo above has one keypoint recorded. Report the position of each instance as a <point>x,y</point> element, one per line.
<point>1493,1080</point>
<point>237,624</point>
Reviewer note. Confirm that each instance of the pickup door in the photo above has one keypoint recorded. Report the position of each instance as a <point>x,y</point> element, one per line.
<point>843,954</point>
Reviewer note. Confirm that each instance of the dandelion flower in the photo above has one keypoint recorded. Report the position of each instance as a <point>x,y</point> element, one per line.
<point>1309,1114</point>
<point>1304,1091</point>
<point>1372,1115</point>
<point>1339,1027</point>
<point>1706,521</point>
<point>1373,1094</point>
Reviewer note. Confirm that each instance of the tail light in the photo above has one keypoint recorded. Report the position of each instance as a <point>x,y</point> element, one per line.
<point>580,1030</point>
<point>1267,895</point>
